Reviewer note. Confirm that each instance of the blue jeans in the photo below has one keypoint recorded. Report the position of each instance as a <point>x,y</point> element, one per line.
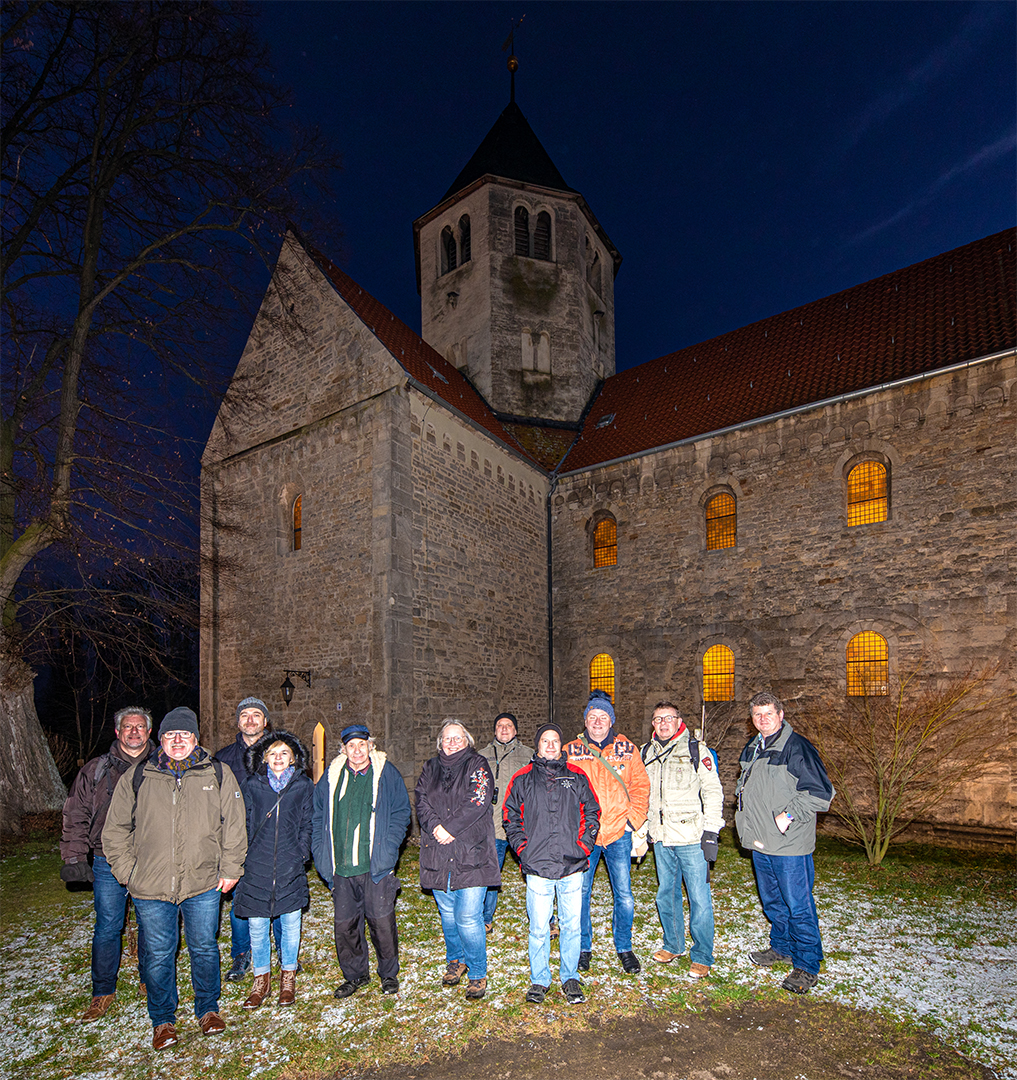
<point>261,948</point>
<point>540,894</point>
<point>685,861</point>
<point>618,859</point>
<point>462,923</point>
<point>785,889</point>
<point>110,900</point>
<point>491,899</point>
<point>240,935</point>
<point>160,921</point>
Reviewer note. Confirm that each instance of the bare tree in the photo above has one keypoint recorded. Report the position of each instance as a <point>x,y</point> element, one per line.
<point>893,757</point>
<point>142,165</point>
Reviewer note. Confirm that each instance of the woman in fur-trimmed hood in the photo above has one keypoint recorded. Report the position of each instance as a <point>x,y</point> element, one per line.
<point>278,794</point>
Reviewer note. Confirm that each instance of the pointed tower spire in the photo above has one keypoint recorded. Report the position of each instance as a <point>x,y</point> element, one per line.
<point>513,60</point>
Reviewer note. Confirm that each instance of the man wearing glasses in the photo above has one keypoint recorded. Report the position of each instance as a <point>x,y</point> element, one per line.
<point>685,819</point>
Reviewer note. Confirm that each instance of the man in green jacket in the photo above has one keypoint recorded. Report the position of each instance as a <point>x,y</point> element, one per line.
<point>176,836</point>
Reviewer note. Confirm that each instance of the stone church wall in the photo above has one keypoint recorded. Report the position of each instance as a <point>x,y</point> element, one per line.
<point>936,580</point>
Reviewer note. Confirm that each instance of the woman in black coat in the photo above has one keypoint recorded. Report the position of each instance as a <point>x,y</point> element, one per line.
<point>458,859</point>
<point>278,793</point>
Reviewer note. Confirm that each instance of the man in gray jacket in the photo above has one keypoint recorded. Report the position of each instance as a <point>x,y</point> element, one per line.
<point>685,819</point>
<point>781,788</point>
<point>176,836</point>
<point>506,755</point>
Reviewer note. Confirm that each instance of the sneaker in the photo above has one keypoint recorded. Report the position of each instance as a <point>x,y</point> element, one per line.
<point>573,991</point>
<point>800,981</point>
<point>98,1008</point>
<point>698,971</point>
<point>768,957</point>
<point>487,927</point>
<point>240,967</point>
<point>453,973</point>
<point>584,960</point>
<point>350,987</point>
<point>630,963</point>
<point>390,985</point>
<point>536,993</point>
<point>476,989</point>
<point>663,956</point>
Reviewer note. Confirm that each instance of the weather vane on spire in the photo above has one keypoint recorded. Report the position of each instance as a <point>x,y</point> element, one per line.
<point>513,60</point>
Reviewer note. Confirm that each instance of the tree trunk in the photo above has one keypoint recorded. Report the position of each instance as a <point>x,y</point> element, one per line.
<point>29,780</point>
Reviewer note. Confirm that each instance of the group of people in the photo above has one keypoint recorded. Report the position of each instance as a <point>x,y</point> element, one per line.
<point>175,829</point>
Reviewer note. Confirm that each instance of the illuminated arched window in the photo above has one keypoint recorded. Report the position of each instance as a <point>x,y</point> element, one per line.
<point>318,752</point>
<point>605,543</point>
<point>867,495</point>
<point>721,522</point>
<point>602,674</point>
<point>297,521</point>
<point>868,665</point>
<point>718,674</point>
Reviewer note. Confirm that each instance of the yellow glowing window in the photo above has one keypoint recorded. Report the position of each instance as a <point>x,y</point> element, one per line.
<point>602,674</point>
<point>605,544</point>
<point>868,665</point>
<point>721,521</point>
<point>297,520</point>
<point>866,494</point>
<point>718,674</point>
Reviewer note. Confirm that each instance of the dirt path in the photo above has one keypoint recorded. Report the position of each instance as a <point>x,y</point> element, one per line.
<point>800,1041</point>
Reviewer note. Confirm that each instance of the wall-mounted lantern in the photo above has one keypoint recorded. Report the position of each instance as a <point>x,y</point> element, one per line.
<point>287,687</point>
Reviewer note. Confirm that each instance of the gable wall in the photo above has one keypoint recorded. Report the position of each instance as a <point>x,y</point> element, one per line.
<point>936,580</point>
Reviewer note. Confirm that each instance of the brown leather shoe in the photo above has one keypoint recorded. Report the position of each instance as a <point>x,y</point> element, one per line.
<point>476,989</point>
<point>163,1036</point>
<point>453,973</point>
<point>211,1024</point>
<point>98,1007</point>
<point>259,991</point>
<point>288,987</point>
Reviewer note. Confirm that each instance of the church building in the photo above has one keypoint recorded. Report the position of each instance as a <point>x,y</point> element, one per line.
<point>486,517</point>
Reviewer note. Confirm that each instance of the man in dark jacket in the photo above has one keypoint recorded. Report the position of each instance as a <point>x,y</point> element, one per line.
<point>252,722</point>
<point>551,820</point>
<point>84,817</point>
<point>781,787</point>
<point>360,818</point>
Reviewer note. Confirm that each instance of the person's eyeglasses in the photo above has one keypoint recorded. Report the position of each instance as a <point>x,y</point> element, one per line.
<point>452,740</point>
<point>667,719</point>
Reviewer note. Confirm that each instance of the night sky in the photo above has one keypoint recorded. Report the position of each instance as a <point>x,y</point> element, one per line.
<point>743,158</point>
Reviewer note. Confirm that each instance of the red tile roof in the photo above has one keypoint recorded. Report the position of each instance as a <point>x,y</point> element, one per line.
<point>417,358</point>
<point>954,307</point>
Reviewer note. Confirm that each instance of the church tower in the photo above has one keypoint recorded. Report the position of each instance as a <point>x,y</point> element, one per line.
<point>516,279</point>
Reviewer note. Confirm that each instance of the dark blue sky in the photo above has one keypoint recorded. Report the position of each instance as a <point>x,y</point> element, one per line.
<point>744,158</point>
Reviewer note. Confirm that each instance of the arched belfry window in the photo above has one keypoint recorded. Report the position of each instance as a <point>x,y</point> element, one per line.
<point>542,236</point>
<point>448,250</point>
<point>868,665</point>
<point>868,494</point>
<point>602,675</point>
<point>298,520</point>
<point>718,674</point>
<point>464,239</point>
<point>522,224</point>
<point>721,521</point>
<point>605,543</point>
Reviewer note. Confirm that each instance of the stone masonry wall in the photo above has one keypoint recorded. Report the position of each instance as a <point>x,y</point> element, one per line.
<point>936,579</point>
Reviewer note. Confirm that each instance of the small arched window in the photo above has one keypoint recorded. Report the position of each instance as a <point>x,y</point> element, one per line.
<point>318,752</point>
<point>522,224</point>
<point>542,236</point>
<point>448,250</point>
<point>602,675</point>
<point>297,521</point>
<point>721,522</point>
<point>718,674</point>
<point>868,665</point>
<point>605,543</point>
<point>464,239</point>
<point>867,493</point>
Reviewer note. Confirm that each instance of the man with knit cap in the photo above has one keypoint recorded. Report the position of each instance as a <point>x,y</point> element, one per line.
<point>252,721</point>
<point>506,756</point>
<point>551,820</point>
<point>686,816</point>
<point>618,778</point>
<point>360,819</point>
<point>176,836</point>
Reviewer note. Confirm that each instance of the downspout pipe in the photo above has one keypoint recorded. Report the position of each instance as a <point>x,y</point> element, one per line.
<point>550,606</point>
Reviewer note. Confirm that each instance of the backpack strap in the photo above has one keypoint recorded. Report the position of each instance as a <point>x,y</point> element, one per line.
<point>139,775</point>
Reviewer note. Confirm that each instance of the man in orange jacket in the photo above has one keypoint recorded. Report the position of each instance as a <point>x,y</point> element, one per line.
<point>618,778</point>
